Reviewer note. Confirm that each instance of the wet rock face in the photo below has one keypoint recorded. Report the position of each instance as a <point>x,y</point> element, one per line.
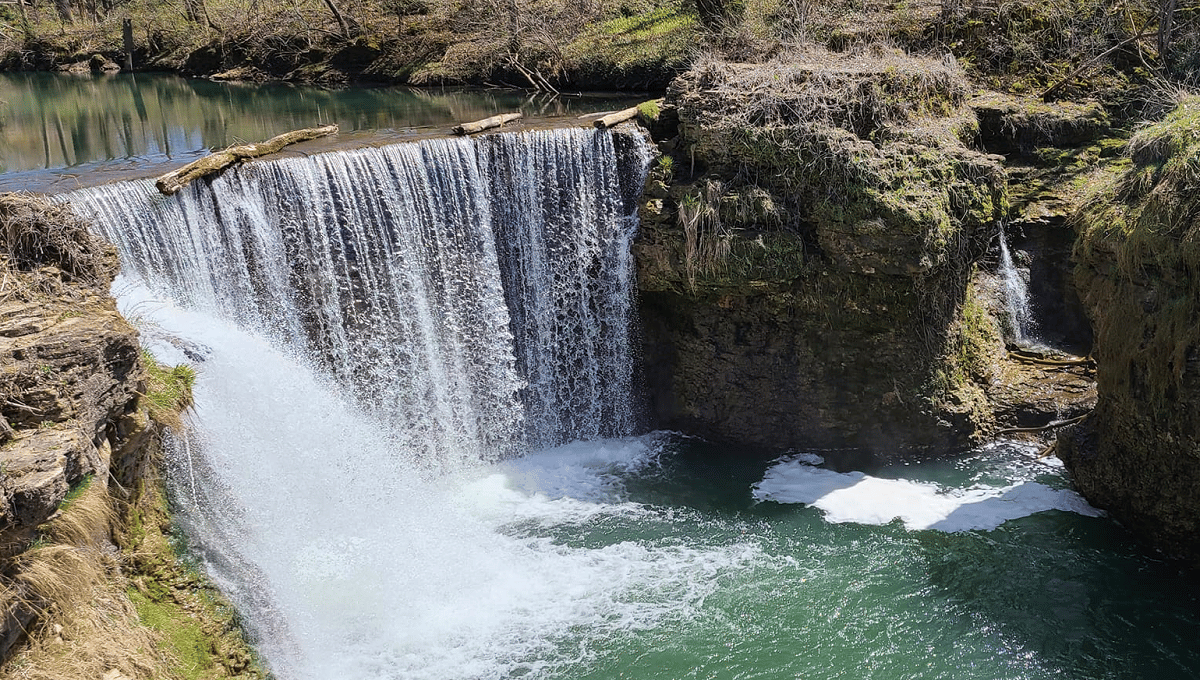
<point>766,370</point>
<point>1052,294</point>
<point>1138,455</point>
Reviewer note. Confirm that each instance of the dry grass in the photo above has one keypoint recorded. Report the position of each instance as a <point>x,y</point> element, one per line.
<point>862,91</point>
<point>85,517</point>
<point>44,245</point>
<point>89,628</point>
<point>88,625</point>
<point>707,241</point>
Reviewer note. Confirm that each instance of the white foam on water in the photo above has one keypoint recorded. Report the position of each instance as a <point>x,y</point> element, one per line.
<point>357,561</point>
<point>863,499</point>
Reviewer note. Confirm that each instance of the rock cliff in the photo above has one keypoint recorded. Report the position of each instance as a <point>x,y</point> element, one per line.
<point>806,251</point>
<point>1139,275</point>
<point>70,366</point>
<point>88,579</point>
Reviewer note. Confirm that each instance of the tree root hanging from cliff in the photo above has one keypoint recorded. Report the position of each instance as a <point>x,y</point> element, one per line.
<point>1049,426</point>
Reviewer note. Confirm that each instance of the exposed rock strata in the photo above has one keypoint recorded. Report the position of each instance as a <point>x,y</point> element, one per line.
<point>69,364</point>
<point>70,374</point>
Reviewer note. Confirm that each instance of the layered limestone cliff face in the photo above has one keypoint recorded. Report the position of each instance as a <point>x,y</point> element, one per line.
<point>1138,272</point>
<point>70,370</point>
<point>70,373</point>
<point>90,586</point>
<point>806,250</point>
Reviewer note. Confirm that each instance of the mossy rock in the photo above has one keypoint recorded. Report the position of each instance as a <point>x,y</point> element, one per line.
<point>1021,124</point>
<point>1138,273</point>
<point>809,290</point>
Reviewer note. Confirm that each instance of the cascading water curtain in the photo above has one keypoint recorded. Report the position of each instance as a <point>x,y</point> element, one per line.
<point>480,289</point>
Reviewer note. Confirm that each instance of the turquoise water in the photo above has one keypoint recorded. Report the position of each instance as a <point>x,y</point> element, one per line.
<point>1051,595</point>
<point>649,557</point>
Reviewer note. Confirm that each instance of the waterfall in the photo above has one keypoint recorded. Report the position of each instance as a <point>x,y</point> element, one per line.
<point>475,294</point>
<point>1016,297</point>
<point>373,326</point>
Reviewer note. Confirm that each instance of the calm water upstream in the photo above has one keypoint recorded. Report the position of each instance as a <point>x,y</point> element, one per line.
<point>58,131</point>
<point>367,546</point>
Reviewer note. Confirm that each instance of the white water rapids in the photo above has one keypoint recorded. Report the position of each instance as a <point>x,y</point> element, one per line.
<point>352,560</point>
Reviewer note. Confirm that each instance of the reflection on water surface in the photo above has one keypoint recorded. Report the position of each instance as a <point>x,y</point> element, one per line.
<point>58,130</point>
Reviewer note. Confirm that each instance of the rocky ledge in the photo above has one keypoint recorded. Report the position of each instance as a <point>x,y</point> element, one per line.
<point>69,364</point>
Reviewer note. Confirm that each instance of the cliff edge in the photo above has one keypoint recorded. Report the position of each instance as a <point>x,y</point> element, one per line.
<point>1138,272</point>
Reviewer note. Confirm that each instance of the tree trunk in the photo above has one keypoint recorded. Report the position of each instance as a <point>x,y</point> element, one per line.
<point>485,124</point>
<point>1166,25</point>
<point>127,35</point>
<point>341,20</point>
<point>615,118</point>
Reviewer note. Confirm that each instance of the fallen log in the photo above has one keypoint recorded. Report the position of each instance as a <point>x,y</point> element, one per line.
<point>1050,450</point>
<point>486,123</point>
<point>615,118</point>
<point>175,180</point>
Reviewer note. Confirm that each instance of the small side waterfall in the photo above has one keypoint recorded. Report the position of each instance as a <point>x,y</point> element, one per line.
<point>1016,297</point>
<point>480,289</point>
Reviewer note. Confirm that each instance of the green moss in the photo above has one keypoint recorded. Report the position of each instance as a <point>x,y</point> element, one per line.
<point>1139,258</point>
<point>183,637</point>
<point>200,632</point>
<point>649,111</point>
<point>977,338</point>
<point>655,23</point>
<point>75,492</point>
<point>1023,46</point>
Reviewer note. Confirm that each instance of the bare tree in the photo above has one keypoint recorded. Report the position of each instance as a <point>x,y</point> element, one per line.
<point>1166,25</point>
<point>341,20</point>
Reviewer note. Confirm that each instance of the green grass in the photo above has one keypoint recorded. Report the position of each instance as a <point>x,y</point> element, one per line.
<point>168,390</point>
<point>75,492</point>
<point>662,37</point>
<point>183,637</point>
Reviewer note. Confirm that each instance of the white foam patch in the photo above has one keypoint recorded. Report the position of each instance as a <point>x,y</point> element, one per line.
<point>863,499</point>
<point>570,484</point>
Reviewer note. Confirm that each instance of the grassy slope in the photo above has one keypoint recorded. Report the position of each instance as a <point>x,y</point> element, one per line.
<point>1021,46</point>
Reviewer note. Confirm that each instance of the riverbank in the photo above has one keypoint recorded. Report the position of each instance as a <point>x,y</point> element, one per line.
<point>1078,48</point>
<point>91,584</point>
